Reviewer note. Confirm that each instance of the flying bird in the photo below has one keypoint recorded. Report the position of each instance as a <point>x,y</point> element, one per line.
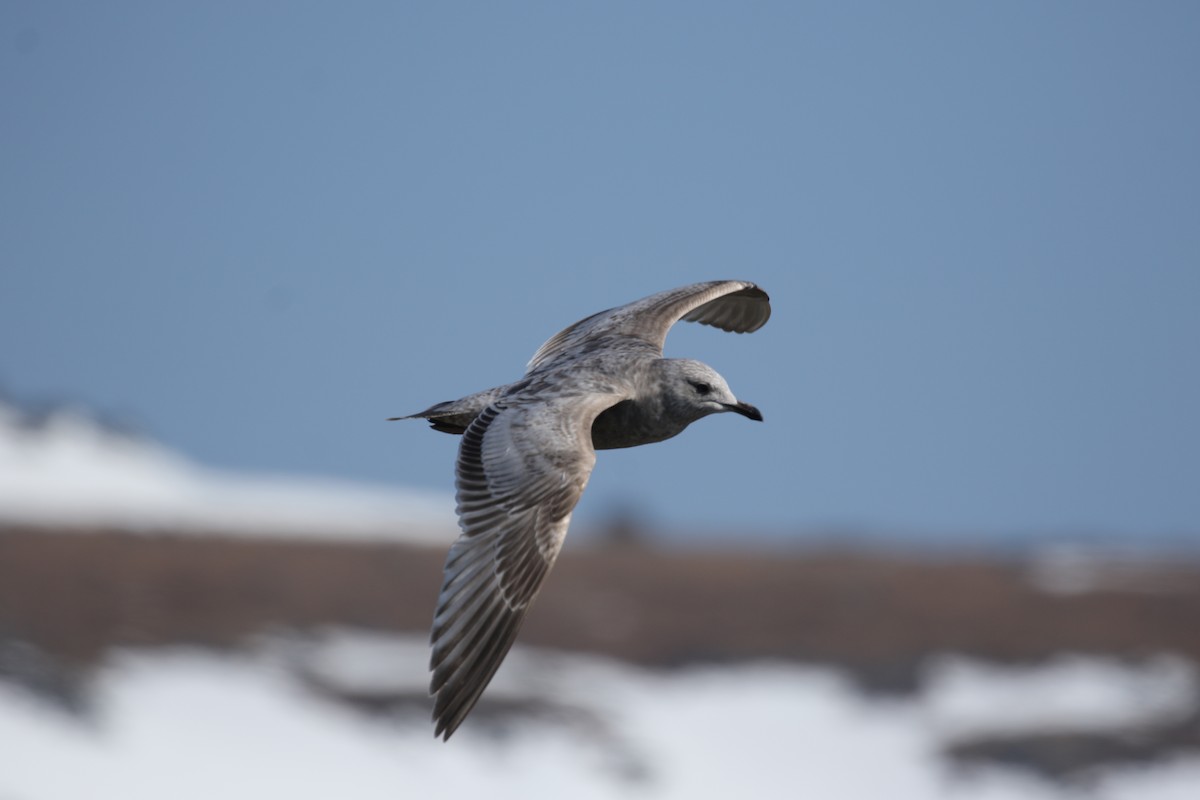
<point>528,449</point>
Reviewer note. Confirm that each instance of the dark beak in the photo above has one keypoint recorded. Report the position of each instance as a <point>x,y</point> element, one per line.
<point>746,410</point>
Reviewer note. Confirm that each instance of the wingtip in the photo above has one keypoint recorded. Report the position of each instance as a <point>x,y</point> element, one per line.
<point>439,725</point>
<point>443,728</point>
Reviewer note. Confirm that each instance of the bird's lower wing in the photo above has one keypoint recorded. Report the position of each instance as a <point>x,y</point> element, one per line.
<point>521,469</point>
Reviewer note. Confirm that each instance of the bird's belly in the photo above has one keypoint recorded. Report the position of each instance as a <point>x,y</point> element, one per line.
<point>627,424</point>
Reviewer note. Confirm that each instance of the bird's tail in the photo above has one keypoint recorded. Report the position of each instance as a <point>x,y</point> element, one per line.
<point>453,416</point>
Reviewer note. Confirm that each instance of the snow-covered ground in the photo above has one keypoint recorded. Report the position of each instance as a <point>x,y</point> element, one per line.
<point>194,724</point>
<point>275,721</point>
<point>67,470</point>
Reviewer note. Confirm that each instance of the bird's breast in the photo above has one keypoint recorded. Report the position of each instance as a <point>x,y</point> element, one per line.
<point>631,423</point>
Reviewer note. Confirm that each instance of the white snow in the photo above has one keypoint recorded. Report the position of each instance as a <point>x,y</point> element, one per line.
<point>1071,692</point>
<point>192,724</point>
<point>69,471</point>
<point>195,724</point>
<point>1072,569</point>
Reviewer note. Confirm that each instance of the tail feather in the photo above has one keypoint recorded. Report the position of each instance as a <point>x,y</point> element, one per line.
<point>453,416</point>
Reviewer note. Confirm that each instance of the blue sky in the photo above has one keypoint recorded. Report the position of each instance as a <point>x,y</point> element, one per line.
<point>256,230</point>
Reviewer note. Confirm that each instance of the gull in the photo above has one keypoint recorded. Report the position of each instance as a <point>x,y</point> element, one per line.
<point>528,449</point>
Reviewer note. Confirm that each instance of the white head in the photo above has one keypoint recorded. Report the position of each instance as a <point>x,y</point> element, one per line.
<point>693,390</point>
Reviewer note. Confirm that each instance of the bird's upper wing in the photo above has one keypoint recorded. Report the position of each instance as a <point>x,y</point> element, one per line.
<point>522,467</point>
<point>736,306</point>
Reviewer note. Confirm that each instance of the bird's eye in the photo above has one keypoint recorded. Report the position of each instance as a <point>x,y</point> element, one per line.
<point>701,387</point>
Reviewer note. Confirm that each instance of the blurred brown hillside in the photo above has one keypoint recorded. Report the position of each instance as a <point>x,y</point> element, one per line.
<point>876,615</point>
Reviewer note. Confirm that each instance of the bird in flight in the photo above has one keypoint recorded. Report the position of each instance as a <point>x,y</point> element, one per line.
<point>528,449</point>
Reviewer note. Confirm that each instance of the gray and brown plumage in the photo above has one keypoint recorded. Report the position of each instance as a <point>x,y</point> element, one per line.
<point>528,449</point>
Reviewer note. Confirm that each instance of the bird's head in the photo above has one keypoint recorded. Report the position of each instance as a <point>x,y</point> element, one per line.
<point>694,390</point>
